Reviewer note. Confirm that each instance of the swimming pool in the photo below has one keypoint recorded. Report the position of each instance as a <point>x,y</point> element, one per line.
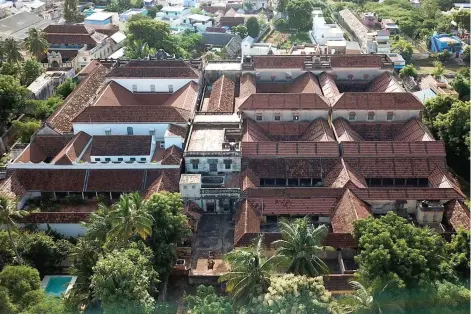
<point>58,285</point>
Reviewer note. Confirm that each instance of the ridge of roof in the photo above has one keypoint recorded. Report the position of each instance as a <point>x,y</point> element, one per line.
<point>222,94</point>
<point>349,209</point>
<point>377,101</point>
<point>282,101</point>
<point>66,156</point>
<point>344,132</point>
<point>414,130</point>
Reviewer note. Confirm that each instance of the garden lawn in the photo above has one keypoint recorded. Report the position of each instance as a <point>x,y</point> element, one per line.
<point>286,40</point>
<point>426,66</point>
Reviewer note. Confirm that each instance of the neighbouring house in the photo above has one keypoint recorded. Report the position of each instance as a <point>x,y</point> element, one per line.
<point>370,19</point>
<point>439,87</point>
<point>351,23</point>
<point>378,42</point>
<point>441,42</point>
<point>321,31</point>
<point>17,25</point>
<point>249,48</point>
<point>390,25</point>
<point>126,15</point>
<point>101,19</point>
<point>44,86</point>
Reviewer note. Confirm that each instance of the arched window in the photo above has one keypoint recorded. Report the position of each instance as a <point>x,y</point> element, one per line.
<point>352,116</point>
<point>371,116</point>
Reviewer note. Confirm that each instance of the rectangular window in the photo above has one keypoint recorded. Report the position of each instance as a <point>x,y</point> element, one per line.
<point>195,165</point>
<point>130,130</point>
<point>132,159</point>
<point>423,182</point>
<point>388,182</point>
<point>134,88</point>
<point>375,182</point>
<point>143,158</point>
<point>371,116</point>
<point>390,116</point>
<point>152,88</point>
<point>170,88</point>
<point>227,164</point>
<point>267,182</point>
<point>107,131</point>
<point>295,116</point>
<point>399,182</point>
<point>277,116</point>
<point>280,182</point>
<point>352,116</point>
<point>107,159</point>
<point>293,182</point>
<point>120,159</point>
<point>162,144</point>
<point>305,182</point>
<point>152,132</point>
<point>272,219</point>
<point>258,116</point>
<point>412,181</point>
<point>97,159</point>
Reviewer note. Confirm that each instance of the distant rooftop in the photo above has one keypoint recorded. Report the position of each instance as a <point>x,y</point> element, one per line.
<point>17,25</point>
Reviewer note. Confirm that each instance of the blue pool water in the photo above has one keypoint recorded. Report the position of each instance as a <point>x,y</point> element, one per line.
<point>57,286</point>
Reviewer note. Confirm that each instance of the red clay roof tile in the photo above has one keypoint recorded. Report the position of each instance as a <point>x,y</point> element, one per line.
<point>377,101</point>
<point>457,214</point>
<point>348,210</point>
<point>222,95</point>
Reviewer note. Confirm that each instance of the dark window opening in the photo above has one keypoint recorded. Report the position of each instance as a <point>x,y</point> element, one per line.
<point>267,182</point>
<point>195,166</point>
<point>399,182</point>
<point>293,182</point>
<point>305,182</point>
<point>388,182</point>
<point>317,182</point>
<point>280,182</point>
<point>412,181</point>
<point>423,182</point>
<point>107,159</point>
<point>314,219</point>
<point>375,182</point>
<point>272,219</point>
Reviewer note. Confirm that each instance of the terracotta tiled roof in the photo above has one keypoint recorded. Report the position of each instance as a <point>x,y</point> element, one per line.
<point>71,152</point>
<point>318,131</point>
<point>355,61</point>
<point>378,101</point>
<point>306,83</point>
<point>108,31</point>
<point>285,168</point>
<point>172,156</point>
<point>327,83</point>
<point>80,39</point>
<point>154,68</point>
<point>56,217</point>
<point>134,114</point>
<point>247,85</point>
<point>43,147</point>
<point>247,220</point>
<point>440,178</point>
<point>68,29</point>
<point>425,193</point>
<point>158,181</point>
<point>230,21</point>
<point>290,149</point>
<point>344,132</point>
<point>306,101</point>
<point>457,214</point>
<point>176,130</point>
<point>343,176</point>
<point>384,83</point>
<point>230,13</point>
<point>294,192</point>
<point>412,131</point>
<point>395,167</point>
<point>122,180</point>
<point>295,206</point>
<point>222,95</point>
<point>12,187</point>
<point>253,132</point>
<point>67,180</point>
<point>340,240</point>
<point>278,62</point>
<point>121,145</point>
<point>79,99</point>
<point>348,210</point>
<point>393,149</point>
<point>213,10</point>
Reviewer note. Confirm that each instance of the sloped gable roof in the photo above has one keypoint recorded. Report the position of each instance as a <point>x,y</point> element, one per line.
<point>287,101</point>
<point>384,83</point>
<point>344,132</point>
<point>457,214</point>
<point>72,151</point>
<point>414,130</point>
<point>348,210</point>
<point>222,95</point>
<point>318,131</point>
<point>343,175</point>
<point>377,101</point>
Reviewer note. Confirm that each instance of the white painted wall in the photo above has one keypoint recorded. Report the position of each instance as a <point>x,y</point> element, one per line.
<point>121,128</point>
<point>103,159</point>
<point>68,230</point>
<point>286,115</point>
<point>203,166</point>
<point>380,115</point>
<point>161,84</point>
<point>173,140</point>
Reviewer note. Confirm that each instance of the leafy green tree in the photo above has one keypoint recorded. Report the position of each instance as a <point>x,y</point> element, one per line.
<point>466,56</point>
<point>11,50</point>
<point>9,68</point>
<point>249,274</point>
<point>430,8</point>
<point>12,97</point>
<point>38,302</point>
<point>248,5</point>
<point>36,42</point>
<point>404,48</point>
<point>7,253</point>
<point>71,12</point>
<point>124,280</point>
<point>26,129</point>
<point>65,88</point>
<point>8,216</point>
<point>435,106</point>
<point>41,109</point>
<point>439,69</point>
<point>206,301</point>
<point>6,306</point>
<point>391,248</point>
<point>240,30</point>
<point>253,26</point>
<point>453,128</point>
<point>408,70</point>
<point>462,18</point>
<point>300,247</point>
<point>30,70</point>
<point>444,56</point>
<point>155,33</point>
<point>98,224</point>
<point>42,251</point>
<point>461,85</point>
<point>129,217</point>
<point>152,11</point>
<point>138,50</point>
<point>299,14</point>
<point>170,228</point>
<point>458,251</point>
<point>282,4</point>
<point>189,44</point>
<point>19,280</point>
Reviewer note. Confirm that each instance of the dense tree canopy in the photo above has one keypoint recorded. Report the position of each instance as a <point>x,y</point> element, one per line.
<point>19,280</point>
<point>206,301</point>
<point>240,30</point>
<point>124,279</point>
<point>253,26</point>
<point>299,14</point>
<point>392,248</point>
<point>459,252</point>
<point>155,33</point>
<point>36,42</point>
<point>12,97</point>
<point>64,89</point>
<point>30,70</point>
<point>408,70</point>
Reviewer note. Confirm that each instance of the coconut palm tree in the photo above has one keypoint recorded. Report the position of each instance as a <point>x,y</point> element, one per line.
<point>36,42</point>
<point>98,224</point>
<point>11,50</point>
<point>249,272</point>
<point>129,217</point>
<point>8,214</point>
<point>300,247</point>
<point>363,301</point>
